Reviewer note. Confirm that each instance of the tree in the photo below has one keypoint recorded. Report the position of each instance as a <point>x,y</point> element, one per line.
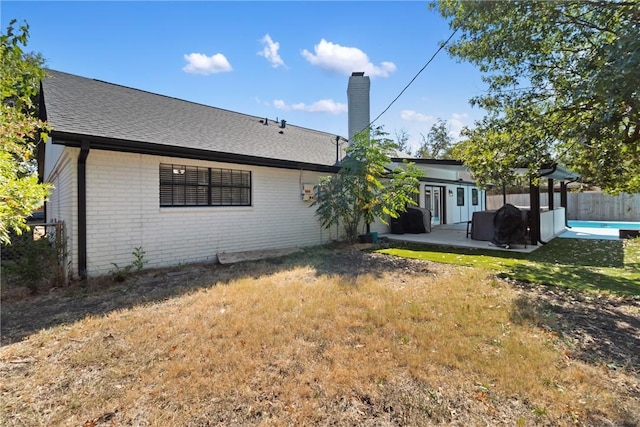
<point>402,140</point>
<point>438,143</point>
<point>563,86</point>
<point>20,75</point>
<point>365,189</point>
<point>489,157</point>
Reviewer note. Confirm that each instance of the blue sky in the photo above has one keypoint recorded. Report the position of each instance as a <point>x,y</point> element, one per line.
<point>288,60</point>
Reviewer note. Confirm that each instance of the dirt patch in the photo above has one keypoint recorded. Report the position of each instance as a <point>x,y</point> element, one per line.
<point>600,328</point>
<point>23,314</point>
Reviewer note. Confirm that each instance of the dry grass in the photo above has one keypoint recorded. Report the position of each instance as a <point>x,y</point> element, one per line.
<point>294,347</point>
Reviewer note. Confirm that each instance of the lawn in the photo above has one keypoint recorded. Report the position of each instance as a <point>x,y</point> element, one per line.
<point>332,336</point>
<point>610,266</point>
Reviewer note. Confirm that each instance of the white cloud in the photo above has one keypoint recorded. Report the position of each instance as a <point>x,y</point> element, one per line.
<point>261,102</point>
<point>414,116</point>
<point>456,123</point>
<point>456,116</point>
<point>345,60</point>
<point>321,106</point>
<point>198,63</point>
<point>270,51</point>
<point>420,124</point>
<point>280,105</point>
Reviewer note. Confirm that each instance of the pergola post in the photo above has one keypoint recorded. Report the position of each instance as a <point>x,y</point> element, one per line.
<point>534,204</point>
<point>550,193</point>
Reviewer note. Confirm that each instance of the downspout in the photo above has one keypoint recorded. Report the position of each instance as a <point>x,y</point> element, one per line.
<point>82,209</point>
<point>564,200</point>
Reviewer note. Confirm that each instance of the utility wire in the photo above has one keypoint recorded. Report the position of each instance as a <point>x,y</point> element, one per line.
<point>442,45</point>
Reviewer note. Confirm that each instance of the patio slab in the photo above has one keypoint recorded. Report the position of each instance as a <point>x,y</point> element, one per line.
<point>453,235</point>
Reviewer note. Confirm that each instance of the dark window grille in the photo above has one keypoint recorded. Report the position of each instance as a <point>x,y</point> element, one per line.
<point>474,196</point>
<point>182,185</point>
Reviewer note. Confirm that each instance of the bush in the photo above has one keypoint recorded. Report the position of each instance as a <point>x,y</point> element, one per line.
<point>29,262</point>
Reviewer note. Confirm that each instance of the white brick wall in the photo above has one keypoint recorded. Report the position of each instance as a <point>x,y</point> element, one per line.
<point>62,203</point>
<point>123,212</point>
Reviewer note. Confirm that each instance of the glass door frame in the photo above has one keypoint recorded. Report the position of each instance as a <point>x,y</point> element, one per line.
<point>434,201</point>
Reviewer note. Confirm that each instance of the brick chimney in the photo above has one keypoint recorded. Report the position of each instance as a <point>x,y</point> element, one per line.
<point>358,101</point>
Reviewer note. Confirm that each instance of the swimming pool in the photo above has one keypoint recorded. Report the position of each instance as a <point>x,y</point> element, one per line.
<point>619,225</point>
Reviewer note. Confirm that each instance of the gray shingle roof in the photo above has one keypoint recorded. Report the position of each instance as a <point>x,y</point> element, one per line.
<point>85,107</point>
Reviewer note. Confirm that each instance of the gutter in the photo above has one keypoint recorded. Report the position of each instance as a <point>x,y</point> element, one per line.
<point>110,144</point>
<point>82,209</point>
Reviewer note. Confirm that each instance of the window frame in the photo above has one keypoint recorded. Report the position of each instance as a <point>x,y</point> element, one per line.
<point>183,186</point>
<point>460,196</point>
<point>474,197</point>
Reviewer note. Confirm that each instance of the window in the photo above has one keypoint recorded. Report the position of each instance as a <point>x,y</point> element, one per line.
<point>460,196</point>
<point>182,185</point>
<point>474,196</point>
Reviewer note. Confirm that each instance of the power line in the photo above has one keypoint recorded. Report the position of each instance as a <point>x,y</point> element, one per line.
<point>416,76</point>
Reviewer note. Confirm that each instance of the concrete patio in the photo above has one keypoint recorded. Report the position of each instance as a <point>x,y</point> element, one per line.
<point>453,235</point>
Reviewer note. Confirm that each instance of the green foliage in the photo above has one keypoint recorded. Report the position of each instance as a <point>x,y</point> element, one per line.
<point>610,266</point>
<point>491,156</point>
<point>20,75</point>
<point>365,189</point>
<point>437,144</point>
<point>28,261</point>
<point>120,274</point>
<point>563,86</point>
<point>138,258</point>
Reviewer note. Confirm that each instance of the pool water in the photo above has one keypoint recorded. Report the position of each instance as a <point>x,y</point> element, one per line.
<point>607,230</point>
<point>618,225</point>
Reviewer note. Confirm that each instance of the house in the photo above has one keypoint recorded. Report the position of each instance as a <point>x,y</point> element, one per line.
<point>446,189</point>
<point>185,182</point>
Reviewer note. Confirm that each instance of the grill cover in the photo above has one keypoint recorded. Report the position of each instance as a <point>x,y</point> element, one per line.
<point>508,226</point>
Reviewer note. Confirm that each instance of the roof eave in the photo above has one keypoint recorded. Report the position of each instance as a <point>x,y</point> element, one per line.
<point>139,147</point>
<point>421,161</point>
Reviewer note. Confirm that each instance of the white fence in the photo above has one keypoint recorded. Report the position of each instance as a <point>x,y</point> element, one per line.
<point>589,206</point>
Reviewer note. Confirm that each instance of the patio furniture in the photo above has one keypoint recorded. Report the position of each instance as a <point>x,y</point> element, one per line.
<point>414,220</point>
<point>510,226</point>
<point>482,225</point>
